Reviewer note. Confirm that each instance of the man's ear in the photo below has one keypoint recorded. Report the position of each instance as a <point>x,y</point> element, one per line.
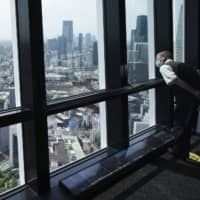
<point>164,58</point>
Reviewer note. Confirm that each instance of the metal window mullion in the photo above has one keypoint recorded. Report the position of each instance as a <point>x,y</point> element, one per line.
<point>33,93</point>
<point>39,95</point>
<point>163,41</point>
<point>116,77</point>
<point>192,32</point>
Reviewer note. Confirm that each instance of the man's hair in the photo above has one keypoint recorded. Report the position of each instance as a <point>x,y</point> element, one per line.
<point>166,54</point>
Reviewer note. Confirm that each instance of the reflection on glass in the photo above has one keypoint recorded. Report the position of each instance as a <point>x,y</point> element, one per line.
<point>11,161</point>
<point>75,134</point>
<point>140,55</point>
<point>73,47</point>
<point>141,111</point>
<point>8,57</point>
<point>179,30</point>
<point>140,39</point>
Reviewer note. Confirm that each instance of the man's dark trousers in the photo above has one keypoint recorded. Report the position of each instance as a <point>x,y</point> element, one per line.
<point>185,115</point>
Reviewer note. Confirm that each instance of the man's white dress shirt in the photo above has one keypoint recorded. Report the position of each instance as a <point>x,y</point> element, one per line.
<point>167,73</point>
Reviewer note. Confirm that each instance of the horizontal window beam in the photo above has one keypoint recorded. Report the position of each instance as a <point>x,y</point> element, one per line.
<point>14,116</point>
<point>69,103</point>
<point>17,115</point>
<point>24,189</point>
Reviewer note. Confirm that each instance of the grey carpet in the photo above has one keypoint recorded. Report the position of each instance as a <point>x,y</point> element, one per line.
<point>166,178</point>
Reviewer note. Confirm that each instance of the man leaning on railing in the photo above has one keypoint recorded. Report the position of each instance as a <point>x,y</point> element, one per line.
<point>184,80</point>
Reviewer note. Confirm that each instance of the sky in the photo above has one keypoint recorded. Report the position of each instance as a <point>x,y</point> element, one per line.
<point>5,20</point>
<point>82,12</point>
<point>133,9</point>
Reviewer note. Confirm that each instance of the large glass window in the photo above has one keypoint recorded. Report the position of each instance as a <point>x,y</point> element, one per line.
<point>140,55</point>
<point>141,111</point>
<point>73,40</point>
<point>11,152</point>
<point>9,81</point>
<point>140,40</point>
<point>75,134</point>
<point>179,29</point>
<point>11,158</point>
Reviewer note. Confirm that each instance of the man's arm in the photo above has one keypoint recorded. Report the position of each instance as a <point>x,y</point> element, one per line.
<point>187,87</point>
<point>171,78</point>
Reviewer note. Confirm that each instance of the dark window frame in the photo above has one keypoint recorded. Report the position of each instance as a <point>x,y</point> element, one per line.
<point>163,41</point>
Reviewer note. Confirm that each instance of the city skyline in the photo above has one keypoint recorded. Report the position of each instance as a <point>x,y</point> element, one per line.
<point>72,67</point>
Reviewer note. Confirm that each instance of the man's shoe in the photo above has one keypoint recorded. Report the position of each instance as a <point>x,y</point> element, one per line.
<point>193,159</point>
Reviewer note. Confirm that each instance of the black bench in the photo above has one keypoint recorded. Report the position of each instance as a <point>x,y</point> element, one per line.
<point>98,176</point>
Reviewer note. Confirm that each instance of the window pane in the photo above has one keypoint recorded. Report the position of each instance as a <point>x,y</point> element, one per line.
<point>11,158</point>
<point>75,134</point>
<point>140,40</point>
<point>9,81</point>
<point>73,39</point>
<point>140,55</point>
<point>179,30</point>
<point>141,111</point>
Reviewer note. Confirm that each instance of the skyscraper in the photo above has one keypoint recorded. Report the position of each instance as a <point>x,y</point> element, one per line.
<point>141,29</point>
<point>138,52</point>
<point>179,43</point>
<point>80,42</point>
<point>68,35</point>
<point>80,48</point>
<point>141,52</point>
<point>52,44</point>
<point>13,146</point>
<point>88,41</point>
<point>95,53</point>
<point>62,48</point>
<point>133,32</point>
<point>137,72</point>
<point>4,140</point>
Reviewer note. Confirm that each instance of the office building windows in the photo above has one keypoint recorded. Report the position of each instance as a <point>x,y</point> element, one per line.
<point>73,40</point>
<point>75,134</point>
<point>141,111</point>
<point>179,30</point>
<point>9,78</point>
<point>140,61</point>
<point>140,40</point>
<point>11,158</point>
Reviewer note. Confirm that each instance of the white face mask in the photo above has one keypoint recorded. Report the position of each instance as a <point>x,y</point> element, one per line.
<point>159,63</point>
